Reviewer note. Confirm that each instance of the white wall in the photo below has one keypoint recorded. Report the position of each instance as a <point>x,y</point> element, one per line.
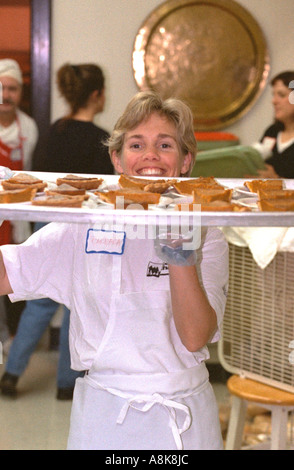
<point>103,31</point>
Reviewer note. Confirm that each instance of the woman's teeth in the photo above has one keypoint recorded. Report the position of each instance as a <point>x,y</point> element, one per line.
<point>151,171</point>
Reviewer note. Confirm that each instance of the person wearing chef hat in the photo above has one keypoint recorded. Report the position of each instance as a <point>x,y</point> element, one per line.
<point>18,139</point>
<point>139,333</point>
<point>18,131</point>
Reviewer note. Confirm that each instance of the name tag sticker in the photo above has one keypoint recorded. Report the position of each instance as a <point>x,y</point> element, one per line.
<point>105,241</point>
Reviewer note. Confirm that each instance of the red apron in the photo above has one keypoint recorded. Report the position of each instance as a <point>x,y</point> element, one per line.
<point>15,164</point>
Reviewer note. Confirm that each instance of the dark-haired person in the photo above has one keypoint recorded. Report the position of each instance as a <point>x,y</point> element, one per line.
<point>75,143</point>
<point>278,139</point>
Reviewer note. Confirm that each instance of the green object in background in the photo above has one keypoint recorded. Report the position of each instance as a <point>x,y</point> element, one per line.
<point>229,162</point>
<point>215,144</point>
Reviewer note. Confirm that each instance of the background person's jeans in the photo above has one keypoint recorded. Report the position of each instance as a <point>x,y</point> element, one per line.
<point>33,322</point>
<point>4,331</point>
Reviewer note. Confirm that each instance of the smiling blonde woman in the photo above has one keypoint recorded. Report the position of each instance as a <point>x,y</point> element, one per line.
<point>141,317</point>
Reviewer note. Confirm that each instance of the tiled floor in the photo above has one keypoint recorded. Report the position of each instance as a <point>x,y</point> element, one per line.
<point>35,420</point>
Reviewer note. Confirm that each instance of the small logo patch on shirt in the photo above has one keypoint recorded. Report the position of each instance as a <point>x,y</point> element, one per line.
<point>157,269</point>
<point>105,241</point>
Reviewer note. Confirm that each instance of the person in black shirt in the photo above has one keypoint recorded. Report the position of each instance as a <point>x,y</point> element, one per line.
<point>279,137</point>
<point>76,146</point>
<point>75,143</point>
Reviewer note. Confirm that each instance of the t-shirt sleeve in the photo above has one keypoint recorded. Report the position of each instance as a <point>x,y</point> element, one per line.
<point>214,273</point>
<point>41,267</point>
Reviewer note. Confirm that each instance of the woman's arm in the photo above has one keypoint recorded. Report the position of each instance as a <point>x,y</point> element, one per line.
<point>194,317</point>
<point>5,287</point>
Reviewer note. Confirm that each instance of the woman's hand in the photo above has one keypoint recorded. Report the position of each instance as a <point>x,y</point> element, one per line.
<point>269,172</point>
<point>172,248</point>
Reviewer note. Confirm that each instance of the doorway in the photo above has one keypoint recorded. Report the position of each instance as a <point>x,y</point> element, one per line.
<point>25,36</point>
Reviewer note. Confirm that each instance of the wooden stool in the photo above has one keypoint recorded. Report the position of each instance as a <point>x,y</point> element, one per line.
<point>279,402</point>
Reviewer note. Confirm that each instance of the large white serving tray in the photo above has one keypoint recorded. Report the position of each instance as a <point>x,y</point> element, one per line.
<point>104,214</point>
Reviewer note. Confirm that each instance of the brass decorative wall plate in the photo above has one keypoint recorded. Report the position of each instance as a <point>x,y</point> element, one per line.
<point>210,53</point>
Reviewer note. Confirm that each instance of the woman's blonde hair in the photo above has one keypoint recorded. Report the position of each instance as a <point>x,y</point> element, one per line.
<point>141,106</point>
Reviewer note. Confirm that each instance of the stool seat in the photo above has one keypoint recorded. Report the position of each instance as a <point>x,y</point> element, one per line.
<point>258,392</point>
<point>279,402</point>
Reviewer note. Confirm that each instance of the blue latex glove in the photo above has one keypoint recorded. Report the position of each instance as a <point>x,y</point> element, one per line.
<point>172,249</point>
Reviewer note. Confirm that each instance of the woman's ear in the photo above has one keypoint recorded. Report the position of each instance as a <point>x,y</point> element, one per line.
<point>94,95</point>
<point>186,163</point>
<point>115,158</point>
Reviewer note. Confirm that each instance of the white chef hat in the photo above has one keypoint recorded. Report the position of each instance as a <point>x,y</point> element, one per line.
<point>10,68</point>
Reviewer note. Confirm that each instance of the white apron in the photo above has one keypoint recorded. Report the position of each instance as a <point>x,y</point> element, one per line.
<point>141,410</point>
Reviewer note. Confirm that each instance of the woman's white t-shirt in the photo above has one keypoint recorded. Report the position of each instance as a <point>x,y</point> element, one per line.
<point>58,262</point>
